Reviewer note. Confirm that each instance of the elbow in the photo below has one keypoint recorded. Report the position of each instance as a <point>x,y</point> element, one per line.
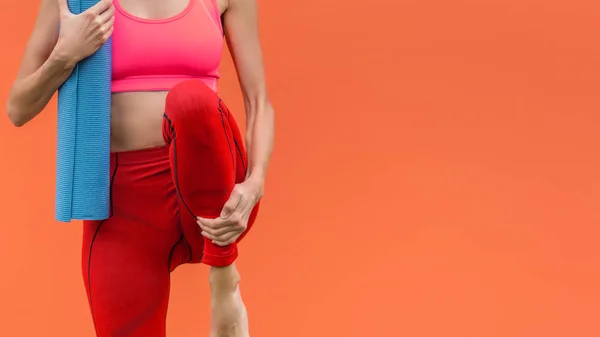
<point>14,115</point>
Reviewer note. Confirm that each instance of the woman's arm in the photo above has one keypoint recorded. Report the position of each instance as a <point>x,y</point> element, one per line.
<point>43,70</point>
<point>50,55</point>
<point>241,30</point>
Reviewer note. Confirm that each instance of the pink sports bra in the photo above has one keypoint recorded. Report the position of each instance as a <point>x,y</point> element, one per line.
<point>154,55</point>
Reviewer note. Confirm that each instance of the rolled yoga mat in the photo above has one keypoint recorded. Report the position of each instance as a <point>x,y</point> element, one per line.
<point>83,144</point>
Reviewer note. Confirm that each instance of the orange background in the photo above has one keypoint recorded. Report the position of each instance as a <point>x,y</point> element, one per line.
<point>436,174</point>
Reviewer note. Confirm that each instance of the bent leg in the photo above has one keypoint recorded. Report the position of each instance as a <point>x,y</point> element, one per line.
<point>207,160</point>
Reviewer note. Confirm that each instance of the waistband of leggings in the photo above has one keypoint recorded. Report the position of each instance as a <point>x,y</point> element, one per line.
<point>141,156</point>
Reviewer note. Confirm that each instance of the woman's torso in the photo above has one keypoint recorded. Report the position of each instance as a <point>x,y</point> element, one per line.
<point>156,44</point>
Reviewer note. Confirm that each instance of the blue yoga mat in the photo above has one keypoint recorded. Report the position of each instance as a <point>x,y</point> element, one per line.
<point>83,145</point>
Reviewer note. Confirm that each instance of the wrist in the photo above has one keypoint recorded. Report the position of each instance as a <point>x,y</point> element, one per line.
<point>256,175</point>
<point>258,182</point>
<point>61,57</point>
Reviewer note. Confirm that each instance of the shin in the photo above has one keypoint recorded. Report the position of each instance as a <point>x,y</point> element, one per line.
<point>229,317</point>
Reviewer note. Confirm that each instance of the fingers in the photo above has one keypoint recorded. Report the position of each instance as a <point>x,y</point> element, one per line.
<point>220,226</point>
<point>106,20</point>
<point>221,239</point>
<point>100,7</point>
<point>108,25</point>
<point>232,203</point>
<point>103,8</point>
<point>223,231</point>
<point>216,228</point>
<point>109,31</point>
<point>227,239</point>
<point>107,15</point>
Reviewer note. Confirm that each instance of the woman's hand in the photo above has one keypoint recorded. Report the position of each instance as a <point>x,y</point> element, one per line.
<point>83,34</point>
<point>233,221</point>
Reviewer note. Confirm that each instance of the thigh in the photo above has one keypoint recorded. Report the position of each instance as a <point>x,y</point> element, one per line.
<point>126,259</point>
<point>127,285</point>
<point>201,148</point>
<point>207,159</point>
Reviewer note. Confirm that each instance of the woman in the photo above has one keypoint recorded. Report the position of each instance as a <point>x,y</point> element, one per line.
<point>181,189</point>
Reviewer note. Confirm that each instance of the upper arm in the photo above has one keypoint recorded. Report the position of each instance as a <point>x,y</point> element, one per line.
<point>241,31</point>
<point>42,40</point>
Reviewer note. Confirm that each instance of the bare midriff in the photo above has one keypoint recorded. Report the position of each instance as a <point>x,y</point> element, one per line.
<point>136,120</point>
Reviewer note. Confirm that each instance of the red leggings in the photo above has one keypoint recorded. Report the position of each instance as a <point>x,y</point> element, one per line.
<point>156,195</point>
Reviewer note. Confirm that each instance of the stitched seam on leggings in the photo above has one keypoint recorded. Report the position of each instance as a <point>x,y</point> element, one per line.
<point>89,276</point>
<point>176,175</point>
<point>239,149</point>
<point>220,108</point>
<point>176,181</point>
<point>176,178</point>
<point>112,180</point>
<point>177,185</point>
<point>180,223</point>
<point>173,250</point>
<point>189,246</point>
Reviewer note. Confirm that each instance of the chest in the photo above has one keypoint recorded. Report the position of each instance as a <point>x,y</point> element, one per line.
<point>153,9</point>
<point>166,36</point>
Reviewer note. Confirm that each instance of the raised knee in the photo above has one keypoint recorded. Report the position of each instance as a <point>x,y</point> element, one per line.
<point>190,104</point>
<point>189,99</point>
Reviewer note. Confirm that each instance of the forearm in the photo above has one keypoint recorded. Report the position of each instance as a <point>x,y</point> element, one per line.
<point>30,94</point>
<point>259,138</point>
